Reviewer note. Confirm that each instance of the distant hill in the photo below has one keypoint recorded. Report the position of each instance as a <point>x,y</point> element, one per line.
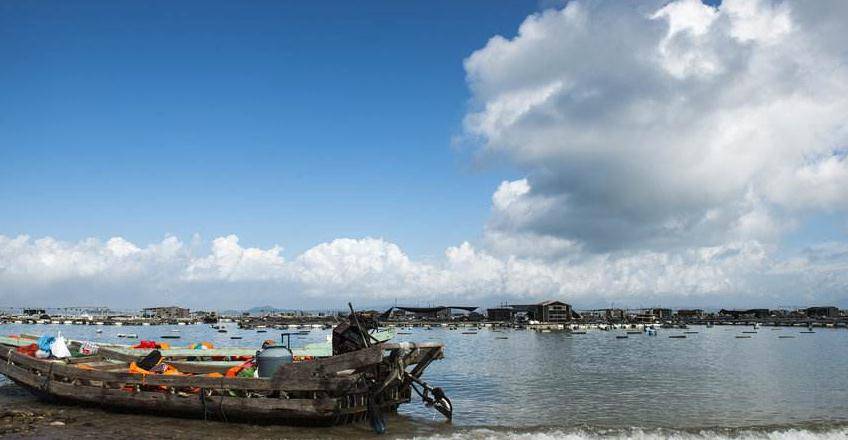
<point>266,310</point>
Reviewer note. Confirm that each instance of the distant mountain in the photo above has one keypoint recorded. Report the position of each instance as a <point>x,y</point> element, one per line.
<point>265,310</point>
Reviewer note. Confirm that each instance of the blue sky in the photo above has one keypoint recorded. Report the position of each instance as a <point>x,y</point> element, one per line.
<point>285,122</point>
<point>597,151</point>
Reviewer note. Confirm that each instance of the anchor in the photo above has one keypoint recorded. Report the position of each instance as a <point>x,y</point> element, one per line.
<point>439,400</point>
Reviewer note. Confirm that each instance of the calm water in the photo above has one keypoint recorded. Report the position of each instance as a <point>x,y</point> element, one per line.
<point>560,386</point>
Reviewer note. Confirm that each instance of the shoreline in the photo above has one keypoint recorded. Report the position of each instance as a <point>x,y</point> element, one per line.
<point>24,416</point>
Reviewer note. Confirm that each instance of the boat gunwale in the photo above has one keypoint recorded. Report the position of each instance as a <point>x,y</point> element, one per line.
<point>313,375</point>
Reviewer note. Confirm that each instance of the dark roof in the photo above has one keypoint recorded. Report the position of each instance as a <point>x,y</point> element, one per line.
<point>525,307</point>
<point>744,312</point>
<point>435,309</point>
<point>551,301</point>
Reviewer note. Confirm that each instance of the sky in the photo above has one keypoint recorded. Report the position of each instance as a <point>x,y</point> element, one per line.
<point>212,154</point>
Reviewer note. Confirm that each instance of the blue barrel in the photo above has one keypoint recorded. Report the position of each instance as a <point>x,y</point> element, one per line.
<point>271,358</point>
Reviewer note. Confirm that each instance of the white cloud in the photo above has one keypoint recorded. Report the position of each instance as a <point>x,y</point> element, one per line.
<point>369,267</point>
<point>685,50</point>
<point>229,261</point>
<point>47,271</point>
<point>758,21</point>
<point>650,126</point>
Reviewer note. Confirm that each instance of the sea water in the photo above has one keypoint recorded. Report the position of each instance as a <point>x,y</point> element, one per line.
<point>522,384</point>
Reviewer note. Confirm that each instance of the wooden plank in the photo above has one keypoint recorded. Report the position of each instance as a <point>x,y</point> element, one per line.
<point>428,354</point>
<point>423,363</point>
<point>111,353</point>
<point>413,345</point>
<point>204,367</point>
<point>101,365</point>
<point>27,361</point>
<point>218,383</point>
<point>19,374</point>
<point>326,368</point>
<point>348,361</point>
<point>161,401</point>
<point>15,342</point>
<point>84,360</point>
<point>181,353</point>
<point>418,352</point>
<point>59,368</point>
<point>165,401</point>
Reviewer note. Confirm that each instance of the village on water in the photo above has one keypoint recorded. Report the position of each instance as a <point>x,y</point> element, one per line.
<point>545,315</point>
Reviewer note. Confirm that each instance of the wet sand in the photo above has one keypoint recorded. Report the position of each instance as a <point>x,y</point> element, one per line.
<point>21,415</point>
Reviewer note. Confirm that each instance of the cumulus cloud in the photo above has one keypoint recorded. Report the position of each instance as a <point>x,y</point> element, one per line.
<point>371,270</point>
<point>229,261</point>
<point>652,126</point>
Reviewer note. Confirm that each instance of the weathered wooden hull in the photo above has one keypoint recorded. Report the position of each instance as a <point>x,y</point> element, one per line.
<point>215,408</point>
<point>323,392</point>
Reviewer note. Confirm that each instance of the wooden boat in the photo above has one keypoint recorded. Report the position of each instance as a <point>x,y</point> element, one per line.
<point>356,385</point>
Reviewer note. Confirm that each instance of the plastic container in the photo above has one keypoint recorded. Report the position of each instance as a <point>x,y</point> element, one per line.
<point>271,358</point>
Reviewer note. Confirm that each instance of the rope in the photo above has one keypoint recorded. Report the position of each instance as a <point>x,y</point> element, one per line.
<point>221,405</point>
<point>203,401</point>
<point>46,386</point>
<point>374,411</point>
